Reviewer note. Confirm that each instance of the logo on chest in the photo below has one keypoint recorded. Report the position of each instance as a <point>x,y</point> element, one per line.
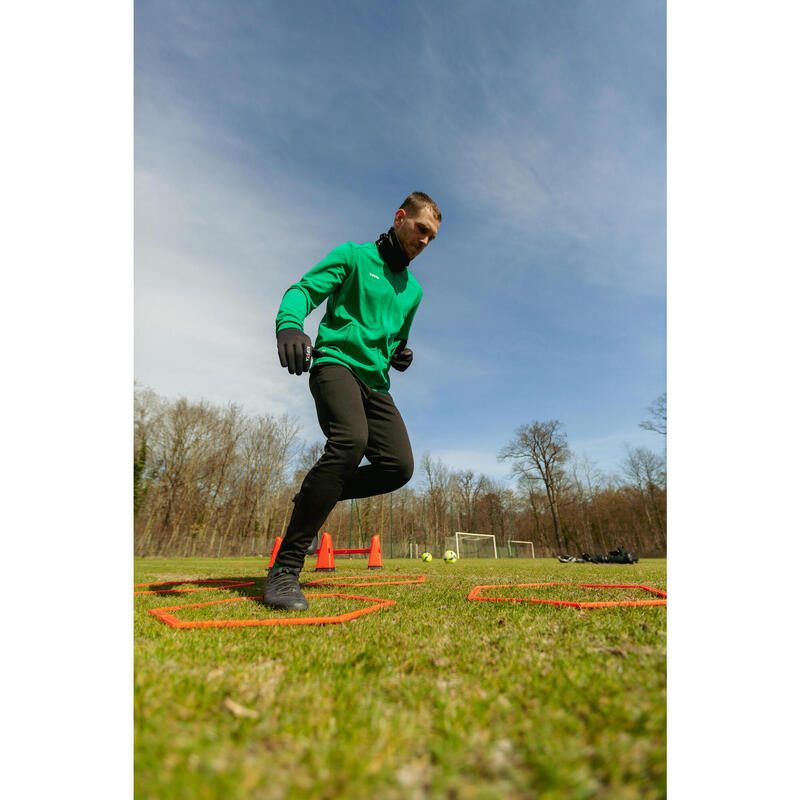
<point>373,275</point>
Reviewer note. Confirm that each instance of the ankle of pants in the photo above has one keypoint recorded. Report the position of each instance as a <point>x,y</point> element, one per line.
<point>312,505</point>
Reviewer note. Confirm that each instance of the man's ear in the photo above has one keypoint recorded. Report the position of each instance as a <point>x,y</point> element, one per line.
<point>399,216</point>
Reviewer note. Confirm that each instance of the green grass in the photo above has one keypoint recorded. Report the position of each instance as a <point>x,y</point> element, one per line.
<point>434,697</point>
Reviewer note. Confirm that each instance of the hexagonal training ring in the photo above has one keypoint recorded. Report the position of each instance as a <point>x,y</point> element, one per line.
<point>164,615</point>
<point>475,594</point>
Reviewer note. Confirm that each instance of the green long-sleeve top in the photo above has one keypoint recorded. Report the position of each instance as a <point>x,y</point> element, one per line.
<point>370,309</point>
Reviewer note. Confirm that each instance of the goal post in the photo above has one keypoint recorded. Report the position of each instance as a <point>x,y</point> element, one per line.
<point>514,550</point>
<point>484,545</point>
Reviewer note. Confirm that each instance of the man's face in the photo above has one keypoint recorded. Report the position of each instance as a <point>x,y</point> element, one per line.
<point>415,231</point>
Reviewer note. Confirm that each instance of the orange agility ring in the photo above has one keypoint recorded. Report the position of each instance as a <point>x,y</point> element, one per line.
<point>227,585</point>
<point>164,615</point>
<point>364,580</point>
<point>475,594</point>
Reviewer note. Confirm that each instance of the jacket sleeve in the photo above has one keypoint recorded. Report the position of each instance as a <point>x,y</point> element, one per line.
<point>319,282</point>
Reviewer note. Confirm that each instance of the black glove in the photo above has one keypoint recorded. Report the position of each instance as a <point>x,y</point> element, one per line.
<point>401,360</point>
<point>294,350</point>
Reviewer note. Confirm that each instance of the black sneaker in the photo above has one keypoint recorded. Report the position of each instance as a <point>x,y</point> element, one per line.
<point>282,589</point>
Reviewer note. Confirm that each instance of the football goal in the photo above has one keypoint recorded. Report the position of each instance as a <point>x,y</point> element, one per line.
<point>520,548</point>
<point>475,545</point>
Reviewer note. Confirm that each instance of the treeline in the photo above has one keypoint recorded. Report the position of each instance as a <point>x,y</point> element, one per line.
<point>214,481</point>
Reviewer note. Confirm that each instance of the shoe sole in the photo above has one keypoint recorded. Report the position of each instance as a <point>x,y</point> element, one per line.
<point>282,607</point>
<point>297,605</point>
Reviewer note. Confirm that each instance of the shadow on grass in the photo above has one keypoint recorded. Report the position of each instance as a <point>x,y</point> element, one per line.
<point>244,586</point>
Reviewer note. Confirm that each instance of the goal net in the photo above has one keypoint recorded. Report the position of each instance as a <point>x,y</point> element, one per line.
<point>520,548</point>
<point>475,545</point>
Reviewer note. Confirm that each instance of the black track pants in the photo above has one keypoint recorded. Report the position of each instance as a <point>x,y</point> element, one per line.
<point>357,422</point>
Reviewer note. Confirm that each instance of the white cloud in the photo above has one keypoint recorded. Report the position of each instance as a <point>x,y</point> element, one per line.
<point>213,256</point>
<point>545,161</point>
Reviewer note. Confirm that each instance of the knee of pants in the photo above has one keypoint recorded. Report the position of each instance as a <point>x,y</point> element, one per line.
<point>407,471</point>
<point>403,471</point>
<point>348,451</point>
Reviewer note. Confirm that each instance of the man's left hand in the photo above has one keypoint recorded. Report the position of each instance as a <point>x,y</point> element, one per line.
<point>401,360</point>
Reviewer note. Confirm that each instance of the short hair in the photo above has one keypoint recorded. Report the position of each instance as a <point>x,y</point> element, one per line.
<point>416,201</point>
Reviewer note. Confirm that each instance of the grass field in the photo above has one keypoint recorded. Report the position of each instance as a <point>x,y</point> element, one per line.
<point>433,697</point>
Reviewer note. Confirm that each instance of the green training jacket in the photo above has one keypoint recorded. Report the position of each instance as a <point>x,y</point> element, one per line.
<point>370,309</point>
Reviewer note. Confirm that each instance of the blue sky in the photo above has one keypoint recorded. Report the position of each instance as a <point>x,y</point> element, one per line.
<point>267,132</point>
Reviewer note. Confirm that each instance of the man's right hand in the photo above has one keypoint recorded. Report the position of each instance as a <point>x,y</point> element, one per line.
<point>294,350</point>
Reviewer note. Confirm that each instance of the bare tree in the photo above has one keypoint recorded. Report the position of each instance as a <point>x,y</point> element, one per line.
<point>658,416</point>
<point>496,504</point>
<point>439,482</point>
<point>147,409</point>
<point>648,475</point>
<point>535,502</point>
<point>227,428</point>
<point>468,488</point>
<point>539,453</point>
<point>586,479</point>
<point>206,477</point>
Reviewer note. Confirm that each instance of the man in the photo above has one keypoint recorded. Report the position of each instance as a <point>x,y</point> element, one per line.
<point>372,299</point>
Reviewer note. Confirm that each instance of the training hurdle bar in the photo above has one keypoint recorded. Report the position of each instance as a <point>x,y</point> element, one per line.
<point>325,553</point>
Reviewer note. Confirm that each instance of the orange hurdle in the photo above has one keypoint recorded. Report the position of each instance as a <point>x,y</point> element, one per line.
<point>325,554</point>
